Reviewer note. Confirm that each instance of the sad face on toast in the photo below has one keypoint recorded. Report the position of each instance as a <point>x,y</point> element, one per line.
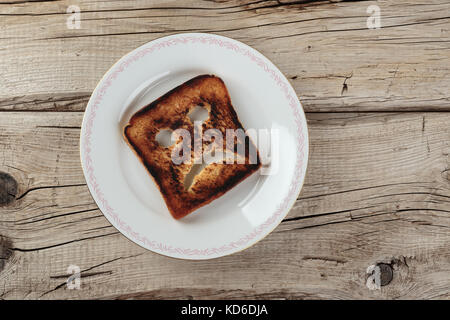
<point>207,157</point>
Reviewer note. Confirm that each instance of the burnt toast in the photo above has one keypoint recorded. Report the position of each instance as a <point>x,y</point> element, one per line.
<point>171,112</point>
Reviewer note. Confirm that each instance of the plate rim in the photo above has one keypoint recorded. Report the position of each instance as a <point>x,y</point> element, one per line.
<point>261,230</point>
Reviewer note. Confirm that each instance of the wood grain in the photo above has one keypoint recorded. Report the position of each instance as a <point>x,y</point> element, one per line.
<point>333,60</point>
<point>378,183</point>
<point>377,190</point>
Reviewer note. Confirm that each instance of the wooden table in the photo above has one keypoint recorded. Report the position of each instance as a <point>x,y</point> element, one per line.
<point>377,190</point>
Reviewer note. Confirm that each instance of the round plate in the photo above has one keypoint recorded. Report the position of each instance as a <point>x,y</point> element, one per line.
<point>126,193</point>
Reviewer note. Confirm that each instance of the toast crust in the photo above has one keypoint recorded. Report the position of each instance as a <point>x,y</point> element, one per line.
<point>170,111</point>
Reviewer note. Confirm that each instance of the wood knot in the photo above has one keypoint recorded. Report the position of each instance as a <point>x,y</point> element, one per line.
<point>8,188</point>
<point>386,273</point>
<point>5,251</point>
<point>379,275</point>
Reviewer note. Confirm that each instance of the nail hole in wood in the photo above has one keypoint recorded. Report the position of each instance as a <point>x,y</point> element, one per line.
<point>8,188</point>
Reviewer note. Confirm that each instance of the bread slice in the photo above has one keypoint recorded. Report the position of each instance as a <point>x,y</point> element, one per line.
<point>171,111</point>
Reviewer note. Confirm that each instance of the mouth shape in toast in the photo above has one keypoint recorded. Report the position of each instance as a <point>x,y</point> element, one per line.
<point>172,112</point>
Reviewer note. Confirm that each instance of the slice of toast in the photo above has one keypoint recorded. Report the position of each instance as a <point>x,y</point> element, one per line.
<point>171,111</point>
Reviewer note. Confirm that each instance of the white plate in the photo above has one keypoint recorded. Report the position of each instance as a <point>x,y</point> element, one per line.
<point>124,191</point>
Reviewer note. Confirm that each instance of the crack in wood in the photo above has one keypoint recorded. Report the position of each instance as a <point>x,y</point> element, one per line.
<point>99,228</point>
<point>26,1</point>
<point>357,189</point>
<point>362,217</point>
<point>344,85</point>
<point>409,193</point>
<point>214,293</point>
<point>300,4</point>
<point>53,217</point>
<point>63,243</point>
<point>100,215</point>
<point>49,187</point>
<point>247,6</point>
<point>54,289</point>
<point>325,259</point>
<point>323,214</point>
<point>314,226</point>
<point>47,102</point>
<point>195,30</point>
<point>60,127</point>
<point>135,9</point>
<point>86,274</point>
<point>83,272</point>
<point>355,29</point>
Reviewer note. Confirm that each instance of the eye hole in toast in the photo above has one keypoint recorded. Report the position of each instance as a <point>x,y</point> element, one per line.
<point>198,114</point>
<point>164,138</point>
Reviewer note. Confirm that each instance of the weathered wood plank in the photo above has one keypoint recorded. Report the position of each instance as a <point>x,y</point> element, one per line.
<point>377,190</point>
<point>333,61</point>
